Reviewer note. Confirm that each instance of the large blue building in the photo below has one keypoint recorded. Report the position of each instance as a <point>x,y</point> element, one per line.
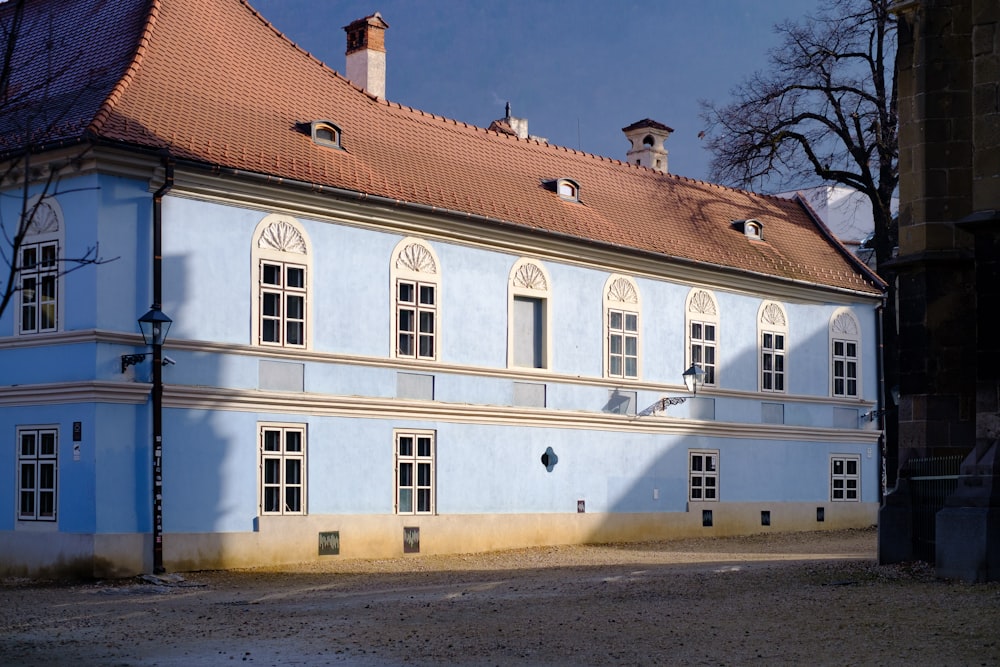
<point>391,332</point>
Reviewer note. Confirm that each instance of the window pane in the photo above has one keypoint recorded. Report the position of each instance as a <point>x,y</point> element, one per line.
<point>405,501</point>
<point>46,504</point>
<point>296,277</point>
<point>779,342</point>
<point>631,345</point>
<point>615,366</point>
<point>426,322</point>
<point>426,346</point>
<point>838,467</point>
<point>272,471</point>
<point>631,322</point>
<point>423,474</point>
<point>838,348</point>
<point>710,332</point>
<point>768,341</point>
<point>779,382</point>
<point>272,499</point>
<point>852,349</point>
<point>406,474</point>
<point>709,355</point>
<point>406,318</point>
<point>696,330</point>
<point>293,499</point>
<point>272,441</point>
<point>852,467</point>
<point>696,354</point>
<point>293,441</point>
<point>631,367</point>
<point>710,463</point>
<point>406,446</point>
<point>423,500</point>
<point>296,307</point>
<point>295,333</point>
<point>272,304</point>
<point>406,292</point>
<point>27,444</point>
<point>271,274</point>
<point>423,446</point>
<point>615,320</point>
<point>48,256</point>
<point>427,295</point>
<point>696,463</point>
<point>615,344</point>
<point>269,331</point>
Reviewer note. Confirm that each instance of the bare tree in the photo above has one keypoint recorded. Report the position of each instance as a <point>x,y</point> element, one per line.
<point>32,118</point>
<point>825,110</point>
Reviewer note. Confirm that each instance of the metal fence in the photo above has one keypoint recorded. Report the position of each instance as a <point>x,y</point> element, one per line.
<point>932,480</point>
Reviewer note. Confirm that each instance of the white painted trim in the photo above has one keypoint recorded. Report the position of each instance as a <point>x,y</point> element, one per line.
<point>300,252</point>
<point>540,288</point>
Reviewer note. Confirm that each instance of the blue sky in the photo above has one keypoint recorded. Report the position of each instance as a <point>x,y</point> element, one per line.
<point>579,71</point>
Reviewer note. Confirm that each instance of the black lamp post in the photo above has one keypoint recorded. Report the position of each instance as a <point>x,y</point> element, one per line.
<point>154,326</point>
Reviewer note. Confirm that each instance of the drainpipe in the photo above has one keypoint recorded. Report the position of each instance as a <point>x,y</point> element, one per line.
<point>881,408</point>
<point>168,184</point>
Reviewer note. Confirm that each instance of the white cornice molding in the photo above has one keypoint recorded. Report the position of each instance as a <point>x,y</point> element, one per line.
<point>208,398</point>
<point>412,366</point>
<point>97,391</point>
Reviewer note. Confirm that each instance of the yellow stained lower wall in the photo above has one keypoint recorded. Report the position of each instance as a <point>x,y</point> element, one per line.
<point>285,540</point>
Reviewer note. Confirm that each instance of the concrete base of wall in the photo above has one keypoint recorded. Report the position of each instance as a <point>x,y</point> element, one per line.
<point>968,544</point>
<point>286,540</point>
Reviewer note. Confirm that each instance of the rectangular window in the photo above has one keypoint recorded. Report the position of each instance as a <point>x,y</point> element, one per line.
<point>623,344</point>
<point>282,469</point>
<point>845,368</point>
<point>39,273</point>
<point>282,304</point>
<point>37,460</point>
<point>416,315</point>
<point>414,473</point>
<point>772,361</point>
<point>703,475</point>
<point>529,332</point>
<point>703,349</point>
<point>845,477</point>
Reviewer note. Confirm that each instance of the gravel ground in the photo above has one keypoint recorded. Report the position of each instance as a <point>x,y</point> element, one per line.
<point>806,598</point>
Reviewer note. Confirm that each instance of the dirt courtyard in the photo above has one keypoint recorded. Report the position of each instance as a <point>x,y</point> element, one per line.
<point>797,599</point>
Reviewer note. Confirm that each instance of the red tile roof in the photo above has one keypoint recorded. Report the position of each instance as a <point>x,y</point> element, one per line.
<point>215,83</point>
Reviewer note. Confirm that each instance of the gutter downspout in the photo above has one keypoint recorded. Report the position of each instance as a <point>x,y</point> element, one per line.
<point>881,409</point>
<point>157,397</point>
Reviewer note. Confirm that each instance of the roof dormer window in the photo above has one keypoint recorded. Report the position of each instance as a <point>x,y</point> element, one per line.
<point>567,189</point>
<point>326,133</point>
<point>752,229</point>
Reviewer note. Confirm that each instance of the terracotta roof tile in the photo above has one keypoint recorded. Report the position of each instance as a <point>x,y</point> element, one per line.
<point>215,83</point>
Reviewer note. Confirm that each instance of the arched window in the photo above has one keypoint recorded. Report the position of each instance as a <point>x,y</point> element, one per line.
<point>621,328</point>
<point>282,279</point>
<point>528,291</point>
<point>326,133</point>
<point>702,321</point>
<point>845,362</point>
<point>772,339</point>
<point>416,284</point>
<point>38,264</point>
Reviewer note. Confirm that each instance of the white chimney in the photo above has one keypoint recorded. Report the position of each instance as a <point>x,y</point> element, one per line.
<point>647,137</point>
<point>366,54</point>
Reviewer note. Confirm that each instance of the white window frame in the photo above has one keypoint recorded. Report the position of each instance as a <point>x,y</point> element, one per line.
<point>845,478</point>
<point>528,280</point>
<point>703,475</point>
<point>415,471</point>
<point>39,270</point>
<point>772,348</point>
<point>283,469</point>
<point>701,316</point>
<point>621,302</point>
<point>279,240</point>
<point>845,368</point>
<point>37,474</point>
<point>414,267</point>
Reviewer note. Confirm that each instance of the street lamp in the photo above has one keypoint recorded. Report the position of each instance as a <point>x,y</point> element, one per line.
<point>693,378</point>
<point>154,326</point>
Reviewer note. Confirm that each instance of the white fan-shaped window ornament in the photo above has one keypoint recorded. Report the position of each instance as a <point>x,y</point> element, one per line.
<point>282,236</point>
<point>415,257</point>
<point>702,303</point>
<point>622,290</point>
<point>844,324</point>
<point>773,315</point>
<point>529,276</point>
<point>45,221</point>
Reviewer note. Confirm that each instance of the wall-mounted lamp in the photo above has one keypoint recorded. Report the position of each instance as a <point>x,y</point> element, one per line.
<point>154,326</point>
<point>694,377</point>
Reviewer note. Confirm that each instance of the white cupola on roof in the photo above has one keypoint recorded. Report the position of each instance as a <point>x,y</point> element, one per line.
<point>366,54</point>
<point>647,137</point>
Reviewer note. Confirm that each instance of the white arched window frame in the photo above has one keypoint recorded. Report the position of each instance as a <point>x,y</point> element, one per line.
<point>416,288</point>
<point>528,331</point>
<point>772,346</point>
<point>702,325</point>
<point>845,354</point>
<point>622,332</point>
<point>39,263</point>
<point>281,270</point>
